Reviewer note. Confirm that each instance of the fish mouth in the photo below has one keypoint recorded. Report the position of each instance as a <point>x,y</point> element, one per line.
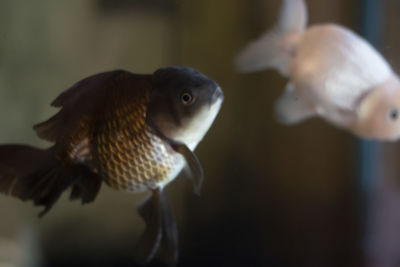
<point>217,95</point>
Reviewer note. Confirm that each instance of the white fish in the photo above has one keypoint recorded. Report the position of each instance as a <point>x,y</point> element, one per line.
<point>333,72</point>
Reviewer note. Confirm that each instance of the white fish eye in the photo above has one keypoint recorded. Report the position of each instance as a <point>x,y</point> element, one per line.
<point>394,114</point>
<point>187,98</point>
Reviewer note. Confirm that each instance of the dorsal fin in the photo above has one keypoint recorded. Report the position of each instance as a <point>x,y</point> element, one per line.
<point>88,100</point>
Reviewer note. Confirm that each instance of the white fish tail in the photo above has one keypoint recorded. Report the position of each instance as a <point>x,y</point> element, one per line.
<point>276,47</point>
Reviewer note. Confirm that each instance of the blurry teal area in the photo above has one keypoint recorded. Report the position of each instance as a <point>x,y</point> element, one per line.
<point>273,195</point>
<point>371,152</point>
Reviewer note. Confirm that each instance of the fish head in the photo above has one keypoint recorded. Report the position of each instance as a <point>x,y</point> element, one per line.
<point>183,104</point>
<point>378,112</point>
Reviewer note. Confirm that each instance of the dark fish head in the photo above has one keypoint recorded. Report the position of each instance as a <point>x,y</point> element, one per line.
<point>183,104</point>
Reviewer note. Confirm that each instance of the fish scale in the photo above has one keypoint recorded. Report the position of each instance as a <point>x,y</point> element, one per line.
<point>130,157</point>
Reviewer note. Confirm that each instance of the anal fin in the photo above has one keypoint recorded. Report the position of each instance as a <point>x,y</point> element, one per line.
<point>169,250</point>
<point>161,234</point>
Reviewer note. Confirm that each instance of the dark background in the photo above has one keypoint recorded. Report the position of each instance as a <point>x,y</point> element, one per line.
<point>273,195</point>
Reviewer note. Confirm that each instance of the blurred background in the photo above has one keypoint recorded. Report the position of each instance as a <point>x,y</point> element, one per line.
<point>307,195</point>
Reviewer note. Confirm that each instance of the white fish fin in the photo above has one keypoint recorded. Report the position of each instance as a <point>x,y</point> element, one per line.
<point>276,47</point>
<point>293,16</point>
<point>291,109</point>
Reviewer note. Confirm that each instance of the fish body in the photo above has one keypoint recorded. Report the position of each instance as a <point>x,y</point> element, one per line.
<point>134,132</point>
<point>333,73</point>
<point>129,155</point>
<point>332,61</point>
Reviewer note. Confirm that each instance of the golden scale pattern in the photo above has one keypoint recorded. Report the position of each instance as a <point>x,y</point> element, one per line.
<point>130,157</point>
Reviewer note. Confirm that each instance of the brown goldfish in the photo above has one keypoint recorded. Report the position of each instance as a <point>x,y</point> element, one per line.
<point>135,132</point>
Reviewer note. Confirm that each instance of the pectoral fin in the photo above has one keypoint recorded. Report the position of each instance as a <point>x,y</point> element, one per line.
<point>292,109</point>
<point>193,163</point>
<point>190,158</point>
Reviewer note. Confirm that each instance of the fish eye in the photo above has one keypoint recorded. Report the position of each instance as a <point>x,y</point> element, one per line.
<point>187,98</point>
<point>394,114</point>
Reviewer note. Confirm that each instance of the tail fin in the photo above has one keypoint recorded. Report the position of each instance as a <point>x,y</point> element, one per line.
<point>30,173</point>
<point>276,47</point>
